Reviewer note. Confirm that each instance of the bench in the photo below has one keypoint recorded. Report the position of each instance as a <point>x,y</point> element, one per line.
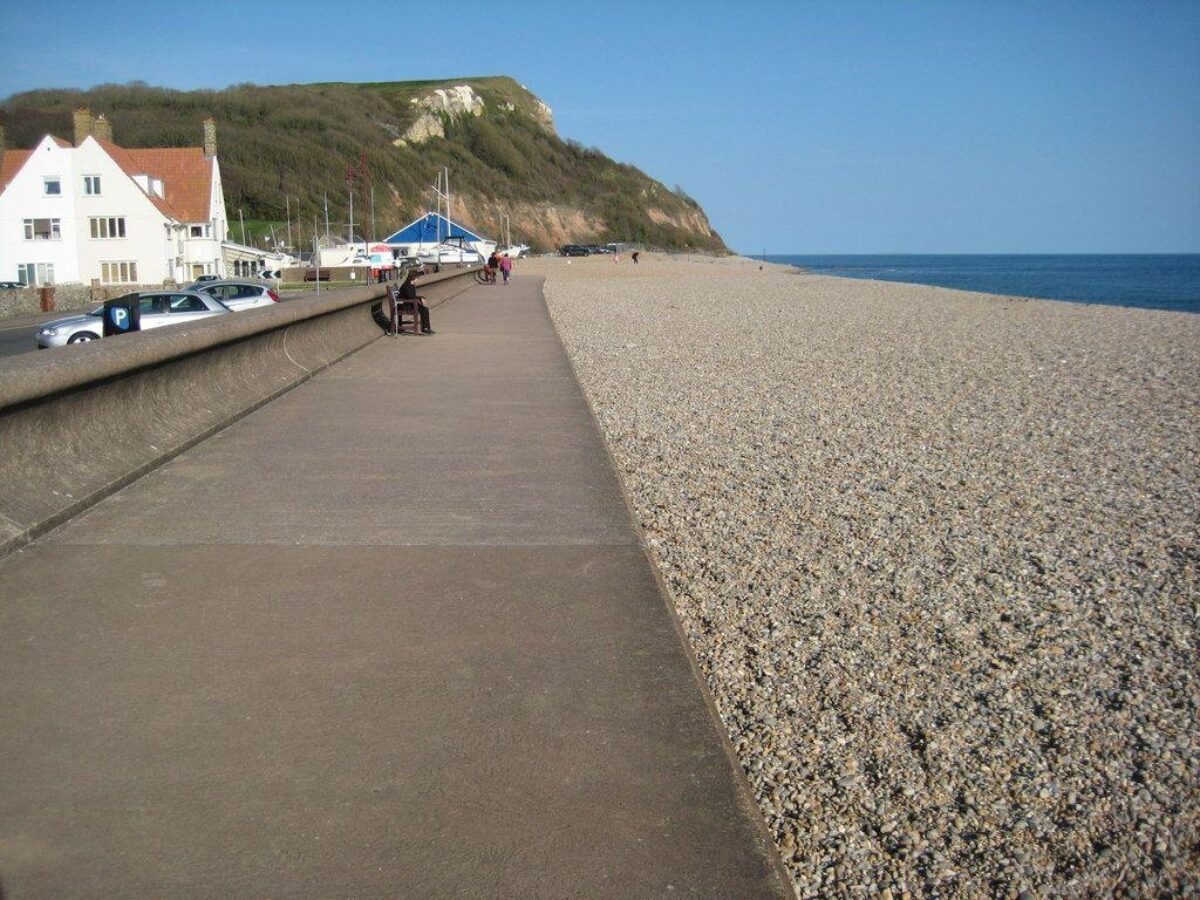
<point>318,275</point>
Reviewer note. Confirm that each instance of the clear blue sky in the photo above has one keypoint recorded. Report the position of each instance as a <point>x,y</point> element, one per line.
<point>801,127</point>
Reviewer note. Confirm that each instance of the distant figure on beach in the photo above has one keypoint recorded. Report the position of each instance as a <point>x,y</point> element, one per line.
<point>489,268</point>
<point>635,256</point>
<point>408,294</point>
<point>506,267</point>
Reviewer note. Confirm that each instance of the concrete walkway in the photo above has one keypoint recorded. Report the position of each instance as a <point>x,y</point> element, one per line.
<point>392,635</point>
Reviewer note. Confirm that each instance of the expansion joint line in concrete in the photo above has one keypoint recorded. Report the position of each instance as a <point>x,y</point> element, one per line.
<point>288,354</point>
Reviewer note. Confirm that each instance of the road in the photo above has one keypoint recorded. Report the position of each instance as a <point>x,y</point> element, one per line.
<point>17,334</point>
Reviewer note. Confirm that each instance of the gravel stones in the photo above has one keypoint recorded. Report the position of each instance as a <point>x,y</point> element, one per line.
<point>937,556</point>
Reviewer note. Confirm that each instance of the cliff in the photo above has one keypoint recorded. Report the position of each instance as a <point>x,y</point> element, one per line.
<point>386,142</point>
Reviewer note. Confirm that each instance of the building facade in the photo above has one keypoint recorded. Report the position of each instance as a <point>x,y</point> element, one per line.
<point>96,211</point>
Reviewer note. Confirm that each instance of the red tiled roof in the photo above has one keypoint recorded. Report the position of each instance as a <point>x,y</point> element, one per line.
<point>185,172</point>
<point>186,175</point>
<point>10,164</point>
<point>130,166</point>
<point>12,160</point>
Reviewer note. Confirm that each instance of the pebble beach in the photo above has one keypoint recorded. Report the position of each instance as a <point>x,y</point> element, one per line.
<point>936,554</point>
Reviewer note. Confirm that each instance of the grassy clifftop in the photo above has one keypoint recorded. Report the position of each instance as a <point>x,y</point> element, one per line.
<point>299,141</point>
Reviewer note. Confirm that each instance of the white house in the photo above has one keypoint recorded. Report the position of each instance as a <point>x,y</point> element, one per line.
<point>95,210</point>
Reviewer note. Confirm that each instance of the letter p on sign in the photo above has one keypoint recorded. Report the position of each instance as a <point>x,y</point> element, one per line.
<point>122,315</point>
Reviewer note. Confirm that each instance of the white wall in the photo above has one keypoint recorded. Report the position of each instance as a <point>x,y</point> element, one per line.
<point>24,198</point>
<point>76,255</point>
<point>146,239</point>
<point>206,251</point>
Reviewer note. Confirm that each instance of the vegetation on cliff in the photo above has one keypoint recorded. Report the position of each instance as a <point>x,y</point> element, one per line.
<point>300,141</point>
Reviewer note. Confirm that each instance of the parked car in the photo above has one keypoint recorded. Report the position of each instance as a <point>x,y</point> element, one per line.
<point>200,279</point>
<point>11,285</point>
<point>574,250</point>
<point>239,295</point>
<point>158,308</point>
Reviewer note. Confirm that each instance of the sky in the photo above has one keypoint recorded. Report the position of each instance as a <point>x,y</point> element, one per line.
<point>801,127</point>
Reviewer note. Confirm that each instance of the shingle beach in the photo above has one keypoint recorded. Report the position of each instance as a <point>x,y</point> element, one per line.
<point>936,554</point>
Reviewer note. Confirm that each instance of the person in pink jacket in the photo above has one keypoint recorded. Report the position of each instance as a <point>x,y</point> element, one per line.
<point>506,267</point>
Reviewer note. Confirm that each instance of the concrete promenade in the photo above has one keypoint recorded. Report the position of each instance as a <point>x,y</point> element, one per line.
<point>391,635</point>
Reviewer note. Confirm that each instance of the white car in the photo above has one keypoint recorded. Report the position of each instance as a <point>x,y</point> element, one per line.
<point>158,308</point>
<point>239,295</point>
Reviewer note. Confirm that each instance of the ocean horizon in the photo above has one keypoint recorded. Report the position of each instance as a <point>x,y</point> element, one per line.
<point>1168,281</point>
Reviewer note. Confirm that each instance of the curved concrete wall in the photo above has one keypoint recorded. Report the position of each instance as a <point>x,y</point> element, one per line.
<point>79,423</point>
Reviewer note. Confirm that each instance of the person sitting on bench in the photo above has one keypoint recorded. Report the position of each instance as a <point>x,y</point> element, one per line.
<point>408,294</point>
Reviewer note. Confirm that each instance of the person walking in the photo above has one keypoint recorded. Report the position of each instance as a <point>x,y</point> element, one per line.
<point>506,267</point>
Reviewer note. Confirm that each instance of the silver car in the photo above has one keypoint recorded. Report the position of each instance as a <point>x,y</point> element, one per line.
<point>238,295</point>
<point>158,308</point>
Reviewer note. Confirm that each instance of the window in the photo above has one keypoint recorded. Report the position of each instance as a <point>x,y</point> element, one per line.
<point>197,231</point>
<point>91,185</point>
<point>42,230</point>
<point>118,272</point>
<point>35,273</point>
<point>112,227</point>
<point>186,303</point>
<point>52,186</point>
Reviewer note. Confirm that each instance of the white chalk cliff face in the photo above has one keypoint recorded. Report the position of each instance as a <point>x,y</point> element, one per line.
<point>460,100</point>
<point>542,112</point>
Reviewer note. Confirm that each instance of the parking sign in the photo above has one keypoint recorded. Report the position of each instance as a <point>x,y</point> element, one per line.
<point>122,315</point>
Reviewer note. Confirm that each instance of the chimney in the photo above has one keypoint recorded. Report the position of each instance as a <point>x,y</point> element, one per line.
<point>210,137</point>
<point>83,124</point>
<point>102,129</point>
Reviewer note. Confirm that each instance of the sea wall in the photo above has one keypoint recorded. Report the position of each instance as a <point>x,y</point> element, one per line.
<point>79,423</point>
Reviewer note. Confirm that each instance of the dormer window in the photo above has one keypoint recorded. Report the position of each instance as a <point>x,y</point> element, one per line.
<point>150,184</point>
<point>52,187</point>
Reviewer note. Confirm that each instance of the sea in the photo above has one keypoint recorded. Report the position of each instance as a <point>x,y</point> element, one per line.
<point>1158,281</point>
